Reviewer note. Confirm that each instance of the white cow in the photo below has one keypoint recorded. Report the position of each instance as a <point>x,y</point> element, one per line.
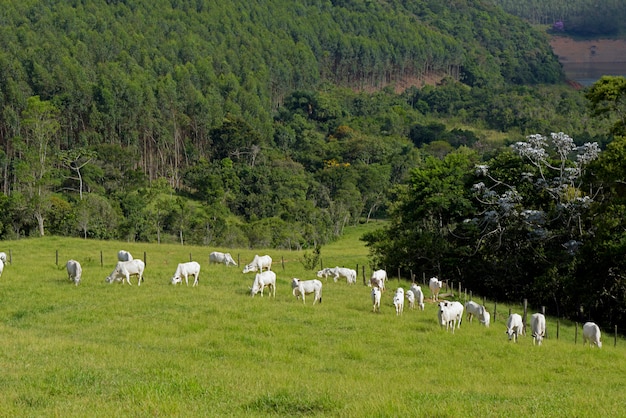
<point>435,286</point>
<point>410,296</point>
<point>259,263</point>
<point>123,255</point>
<point>486,318</point>
<point>302,288</point>
<point>398,301</point>
<point>324,273</point>
<point>1,267</point>
<point>514,326</point>
<point>184,270</point>
<point>376,292</point>
<point>538,327</point>
<point>419,295</point>
<point>337,272</point>
<point>74,271</point>
<point>222,258</point>
<point>378,279</point>
<point>591,334</point>
<point>3,257</point>
<point>125,269</point>
<point>261,281</point>
<point>474,309</point>
<point>450,314</point>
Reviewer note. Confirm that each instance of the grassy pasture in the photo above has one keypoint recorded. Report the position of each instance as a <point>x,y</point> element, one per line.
<point>159,350</point>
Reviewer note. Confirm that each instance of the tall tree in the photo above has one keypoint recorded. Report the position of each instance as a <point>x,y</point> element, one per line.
<point>40,121</point>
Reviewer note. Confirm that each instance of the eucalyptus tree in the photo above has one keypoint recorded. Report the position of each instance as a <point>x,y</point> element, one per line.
<point>37,148</point>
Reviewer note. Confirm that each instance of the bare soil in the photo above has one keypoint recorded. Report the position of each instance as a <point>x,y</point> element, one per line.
<point>585,61</point>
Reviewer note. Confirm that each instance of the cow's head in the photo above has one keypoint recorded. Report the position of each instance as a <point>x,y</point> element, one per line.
<point>249,268</point>
<point>229,260</point>
<point>176,279</point>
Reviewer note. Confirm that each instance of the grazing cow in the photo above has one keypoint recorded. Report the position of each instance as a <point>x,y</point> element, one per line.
<point>398,301</point>
<point>301,288</point>
<point>338,272</point>
<point>124,256</point>
<point>474,309</point>
<point>261,281</point>
<point>410,296</point>
<point>514,326</point>
<point>74,271</point>
<point>184,270</point>
<point>486,318</point>
<point>376,292</point>
<point>125,269</point>
<point>259,263</point>
<point>591,334</point>
<point>324,273</point>
<point>450,314</point>
<point>538,327</point>
<point>1,267</point>
<point>419,295</point>
<point>435,286</point>
<point>378,279</point>
<point>3,257</point>
<point>221,258</point>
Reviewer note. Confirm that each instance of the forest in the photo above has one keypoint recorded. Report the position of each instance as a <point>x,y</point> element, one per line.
<point>276,124</point>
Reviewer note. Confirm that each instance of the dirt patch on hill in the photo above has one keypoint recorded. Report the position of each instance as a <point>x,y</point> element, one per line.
<point>584,62</point>
<point>589,51</point>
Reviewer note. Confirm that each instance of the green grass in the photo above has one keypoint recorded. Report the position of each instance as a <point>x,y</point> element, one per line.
<point>157,350</point>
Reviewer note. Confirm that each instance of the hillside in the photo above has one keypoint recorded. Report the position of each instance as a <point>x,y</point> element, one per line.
<point>585,61</point>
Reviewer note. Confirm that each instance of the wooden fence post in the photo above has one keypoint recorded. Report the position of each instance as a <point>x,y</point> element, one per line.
<point>615,337</point>
<point>495,310</point>
<point>398,274</point>
<point>190,259</point>
<point>144,259</point>
<point>282,259</point>
<point>557,328</point>
<point>101,259</point>
<point>525,318</point>
<point>364,284</point>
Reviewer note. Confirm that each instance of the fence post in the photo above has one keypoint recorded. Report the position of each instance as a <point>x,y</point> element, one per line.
<point>190,259</point>
<point>101,259</point>
<point>615,337</point>
<point>398,275</point>
<point>10,256</point>
<point>495,310</point>
<point>321,264</point>
<point>364,284</point>
<point>524,319</point>
<point>57,257</point>
<point>558,323</point>
<point>144,259</point>
<point>238,261</point>
<point>282,259</point>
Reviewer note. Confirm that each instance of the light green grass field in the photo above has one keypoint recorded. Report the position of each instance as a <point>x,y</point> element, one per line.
<point>100,350</point>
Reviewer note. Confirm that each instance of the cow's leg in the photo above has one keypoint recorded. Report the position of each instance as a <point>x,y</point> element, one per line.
<point>195,279</point>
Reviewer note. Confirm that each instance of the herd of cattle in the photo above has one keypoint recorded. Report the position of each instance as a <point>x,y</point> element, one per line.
<point>449,313</point>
